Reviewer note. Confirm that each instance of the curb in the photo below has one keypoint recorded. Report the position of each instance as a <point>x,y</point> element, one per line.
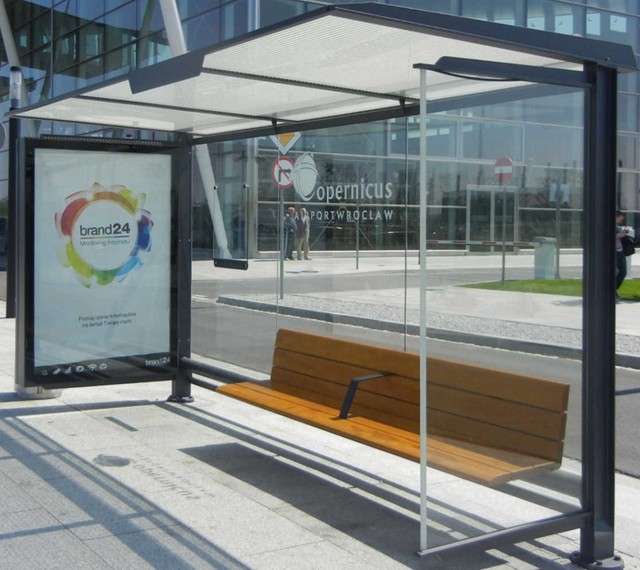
<point>624,360</point>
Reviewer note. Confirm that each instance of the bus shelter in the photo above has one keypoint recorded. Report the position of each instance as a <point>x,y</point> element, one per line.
<point>345,65</point>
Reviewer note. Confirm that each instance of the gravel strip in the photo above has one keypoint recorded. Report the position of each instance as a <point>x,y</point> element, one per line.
<point>558,336</point>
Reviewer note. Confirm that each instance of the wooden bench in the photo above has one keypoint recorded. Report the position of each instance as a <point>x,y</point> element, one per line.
<point>484,425</point>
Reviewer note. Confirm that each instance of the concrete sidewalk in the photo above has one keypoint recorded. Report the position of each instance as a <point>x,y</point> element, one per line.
<point>114,477</point>
<point>326,264</point>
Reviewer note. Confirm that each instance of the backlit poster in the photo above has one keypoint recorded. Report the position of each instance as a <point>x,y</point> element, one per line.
<point>102,263</point>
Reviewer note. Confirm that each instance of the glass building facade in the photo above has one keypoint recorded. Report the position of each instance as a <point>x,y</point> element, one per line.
<point>66,45</point>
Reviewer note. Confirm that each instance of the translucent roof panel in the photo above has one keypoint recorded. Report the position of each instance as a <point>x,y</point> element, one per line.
<point>82,110</point>
<point>221,94</point>
<point>338,61</point>
<point>359,55</point>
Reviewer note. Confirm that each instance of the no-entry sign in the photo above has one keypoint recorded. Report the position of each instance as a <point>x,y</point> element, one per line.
<point>503,169</point>
<point>282,172</point>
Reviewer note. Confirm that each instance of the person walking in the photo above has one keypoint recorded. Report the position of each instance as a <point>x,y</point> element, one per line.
<point>289,233</point>
<point>621,260</point>
<point>303,225</point>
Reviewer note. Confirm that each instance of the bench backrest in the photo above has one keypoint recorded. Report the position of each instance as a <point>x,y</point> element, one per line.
<point>465,402</point>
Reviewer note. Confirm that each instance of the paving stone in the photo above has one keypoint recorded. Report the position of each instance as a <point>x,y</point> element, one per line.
<point>271,481</point>
<point>43,543</point>
<point>170,548</point>
<point>92,505</point>
<point>316,556</point>
<point>12,497</point>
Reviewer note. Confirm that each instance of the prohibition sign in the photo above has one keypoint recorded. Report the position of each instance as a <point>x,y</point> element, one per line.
<point>503,169</point>
<point>282,172</point>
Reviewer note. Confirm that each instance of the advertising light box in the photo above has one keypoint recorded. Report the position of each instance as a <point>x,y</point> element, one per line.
<point>102,275</point>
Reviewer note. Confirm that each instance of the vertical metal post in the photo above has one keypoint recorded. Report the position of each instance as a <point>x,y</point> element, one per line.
<point>282,238</point>
<point>558,228</point>
<point>358,226</point>
<point>504,229</point>
<point>423,310</point>
<point>181,386</point>
<point>598,370</point>
<point>14,181</point>
<point>406,225</point>
<point>12,216</point>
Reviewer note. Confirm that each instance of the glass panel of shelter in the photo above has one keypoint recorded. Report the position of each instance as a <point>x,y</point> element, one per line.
<point>472,291</point>
<point>358,186</point>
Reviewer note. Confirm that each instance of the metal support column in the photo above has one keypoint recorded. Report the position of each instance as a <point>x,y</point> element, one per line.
<point>12,217</point>
<point>181,386</point>
<point>598,370</point>
<point>19,97</point>
<point>423,310</point>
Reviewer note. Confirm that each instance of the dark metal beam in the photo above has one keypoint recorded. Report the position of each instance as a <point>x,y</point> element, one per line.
<point>214,372</point>
<point>310,85</point>
<point>181,109</point>
<point>15,166</point>
<point>476,69</point>
<point>598,370</point>
<point>507,537</point>
<point>181,181</point>
<point>166,72</point>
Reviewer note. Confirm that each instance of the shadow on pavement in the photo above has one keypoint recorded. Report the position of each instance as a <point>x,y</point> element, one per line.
<point>374,514</point>
<point>58,498</point>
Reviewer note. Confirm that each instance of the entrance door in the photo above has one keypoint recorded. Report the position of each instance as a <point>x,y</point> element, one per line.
<point>485,209</point>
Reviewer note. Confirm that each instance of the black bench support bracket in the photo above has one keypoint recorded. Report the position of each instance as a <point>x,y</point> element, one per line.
<point>351,392</point>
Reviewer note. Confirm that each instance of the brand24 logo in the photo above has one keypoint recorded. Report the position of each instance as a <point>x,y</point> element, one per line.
<point>98,252</point>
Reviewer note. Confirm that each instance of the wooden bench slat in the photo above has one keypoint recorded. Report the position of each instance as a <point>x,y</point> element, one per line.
<point>500,459</point>
<point>397,387</point>
<point>492,411</point>
<point>537,392</point>
<point>475,462</point>
<point>511,415</point>
<point>457,427</point>
<point>499,384</point>
<point>355,353</point>
<point>445,425</point>
<point>281,377</point>
<point>331,370</point>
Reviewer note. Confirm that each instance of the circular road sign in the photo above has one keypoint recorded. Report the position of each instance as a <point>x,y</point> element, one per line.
<point>282,172</point>
<point>503,169</point>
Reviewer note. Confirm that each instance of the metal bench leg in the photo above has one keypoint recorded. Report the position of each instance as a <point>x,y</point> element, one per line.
<point>351,392</point>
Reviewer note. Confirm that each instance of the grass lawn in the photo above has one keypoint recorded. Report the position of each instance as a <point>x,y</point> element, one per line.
<point>629,290</point>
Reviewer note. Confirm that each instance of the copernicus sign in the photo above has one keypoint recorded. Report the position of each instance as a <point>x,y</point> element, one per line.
<point>102,277</point>
<point>312,189</point>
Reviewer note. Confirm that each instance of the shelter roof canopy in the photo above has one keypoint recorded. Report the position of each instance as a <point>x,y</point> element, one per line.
<point>332,62</point>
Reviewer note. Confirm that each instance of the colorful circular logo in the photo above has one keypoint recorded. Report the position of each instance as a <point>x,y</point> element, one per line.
<point>104,232</point>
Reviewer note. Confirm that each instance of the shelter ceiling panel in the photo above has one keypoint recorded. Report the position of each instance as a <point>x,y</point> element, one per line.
<point>334,64</point>
<point>360,55</point>
<point>222,94</point>
<point>80,110</point>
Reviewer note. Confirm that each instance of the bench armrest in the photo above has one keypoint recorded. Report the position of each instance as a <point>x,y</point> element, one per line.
<point>351,392</point>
